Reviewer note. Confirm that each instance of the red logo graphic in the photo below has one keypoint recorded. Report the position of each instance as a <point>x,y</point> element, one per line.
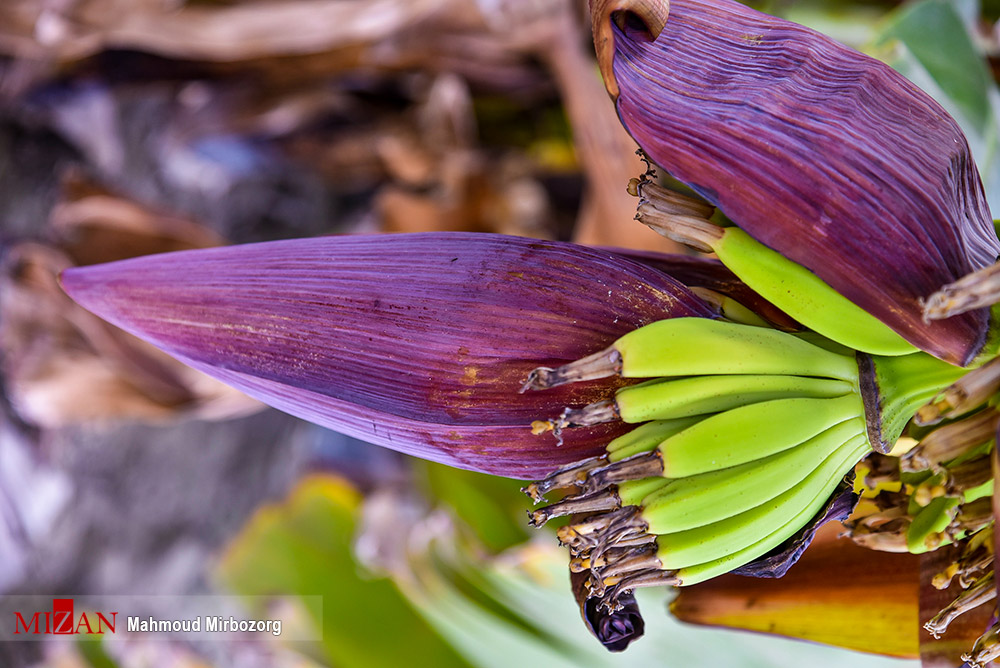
<point>61,620</point>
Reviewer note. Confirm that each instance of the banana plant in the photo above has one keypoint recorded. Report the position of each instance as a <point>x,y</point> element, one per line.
<point>693,437</point>
<point>431,344</point>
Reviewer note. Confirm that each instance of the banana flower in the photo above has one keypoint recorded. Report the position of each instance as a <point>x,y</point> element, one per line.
<point>419,343</point>
<point>838,163</point>
<point>821,153</point>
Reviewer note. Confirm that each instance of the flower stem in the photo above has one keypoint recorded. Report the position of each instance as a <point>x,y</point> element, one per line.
<point>901,386</point>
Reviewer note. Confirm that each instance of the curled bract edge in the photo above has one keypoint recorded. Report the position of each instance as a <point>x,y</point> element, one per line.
<point>651,14</point>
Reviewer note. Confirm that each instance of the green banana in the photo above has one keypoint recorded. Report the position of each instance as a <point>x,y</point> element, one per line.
<point>750,433</point>
<point>632,492</point>
<point>927,530</point>
<point>697,346</point>
<point>805,296</point>
<point>695,501</point>
<point>646,437</point>
<point>729,308</point>
<point>719,539</point>
<point>979,492</point>
<point>701,347</point>
<point>684,397</point>
<point>707,570</point>
<point>932,519</point>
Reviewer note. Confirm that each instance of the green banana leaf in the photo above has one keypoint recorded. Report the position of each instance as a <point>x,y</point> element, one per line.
<point>94,655</point>
<point>492,507</point>
<point>531,584</point>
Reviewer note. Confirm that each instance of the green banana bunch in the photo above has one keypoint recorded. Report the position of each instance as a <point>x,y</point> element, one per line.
<point>679,549</point>
<point>700,500</point>
<point>743,434</point>
<point>939,492</point>
<point>715,547</point>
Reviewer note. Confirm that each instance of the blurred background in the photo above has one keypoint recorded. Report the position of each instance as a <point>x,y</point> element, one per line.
<point>130,127</point>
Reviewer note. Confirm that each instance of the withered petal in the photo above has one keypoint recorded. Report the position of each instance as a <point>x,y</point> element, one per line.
<point>838,594</point>
<point>962,633</point>
<point>777,562</point>
<point>820,152</point>
<point>416,342</point>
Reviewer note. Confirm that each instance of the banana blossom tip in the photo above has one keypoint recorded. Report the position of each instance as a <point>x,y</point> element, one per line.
<point>419,343</point>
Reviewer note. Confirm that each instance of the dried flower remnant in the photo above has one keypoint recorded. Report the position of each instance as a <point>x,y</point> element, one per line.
<point>977,290</point>
<point>951,441</point>
<point>967,393</point>
<point>940,493</point>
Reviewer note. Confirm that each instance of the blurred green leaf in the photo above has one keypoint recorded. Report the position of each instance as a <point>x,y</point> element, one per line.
<point>531,584</point>
<point>94,655</point>
<point>493,507</point>
<point>852,23</point>
<point>930,44</point>
<point>302,547</point>
<point>936,36</point>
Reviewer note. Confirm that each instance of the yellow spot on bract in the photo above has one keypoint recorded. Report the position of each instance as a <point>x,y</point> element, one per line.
<point>471,375</point>
<point>541,426</point>
<point>756,40</point>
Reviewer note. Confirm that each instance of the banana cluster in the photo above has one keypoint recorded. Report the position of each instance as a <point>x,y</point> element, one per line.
<point>939,493</point>
<point>745,433</point>
<point>918,511</point>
